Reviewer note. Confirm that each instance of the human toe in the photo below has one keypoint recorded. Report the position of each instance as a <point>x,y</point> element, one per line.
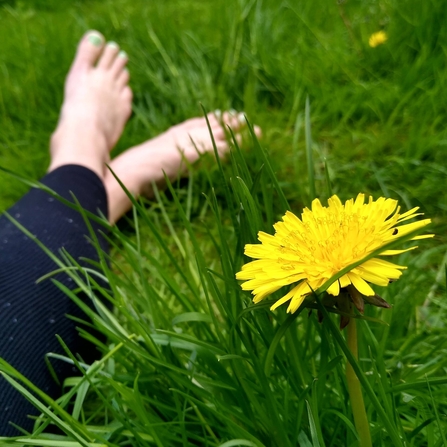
<point>223,146</point>
<point>119,63</point>
<point>127,96</point>
<point>123,78</point>
<point>89,49</point>
<point>109,55</point>
<point>214,118</point>
<point>258,131</point>
<point>218,132</point>
<point>233,119</point>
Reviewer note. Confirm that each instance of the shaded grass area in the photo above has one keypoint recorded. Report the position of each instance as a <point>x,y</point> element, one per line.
<point>189,361</point>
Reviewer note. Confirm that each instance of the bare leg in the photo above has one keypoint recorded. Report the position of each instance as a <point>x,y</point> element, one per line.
<point>97,104</point>
<point>141,165</point>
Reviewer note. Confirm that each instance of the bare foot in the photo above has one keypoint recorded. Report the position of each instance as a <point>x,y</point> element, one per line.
<point>168,153</point>
<point>97,104</point>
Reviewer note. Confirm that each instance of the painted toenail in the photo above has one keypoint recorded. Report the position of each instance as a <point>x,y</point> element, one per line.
<point>95,39</point>
<point>112,44</point>
<point>218,113</point>
<point>241,117</point>
<point>232,112</point>
<point>122,54</point>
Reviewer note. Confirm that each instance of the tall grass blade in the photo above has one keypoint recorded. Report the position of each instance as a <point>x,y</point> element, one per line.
<point>309,152</point>
<point>313,429</point>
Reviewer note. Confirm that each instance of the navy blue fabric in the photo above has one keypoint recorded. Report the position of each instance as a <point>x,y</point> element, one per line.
<point>31,314</point>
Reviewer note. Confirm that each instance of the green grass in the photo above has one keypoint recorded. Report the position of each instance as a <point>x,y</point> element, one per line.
<point>189,361</point>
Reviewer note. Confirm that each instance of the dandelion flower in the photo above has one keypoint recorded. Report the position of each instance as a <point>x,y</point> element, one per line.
<point>307,252</point>
<point>377,39</point>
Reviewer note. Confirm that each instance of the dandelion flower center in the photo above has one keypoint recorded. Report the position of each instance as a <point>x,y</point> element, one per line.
<point>310,250</point>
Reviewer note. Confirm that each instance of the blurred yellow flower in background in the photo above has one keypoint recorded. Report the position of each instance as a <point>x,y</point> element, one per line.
<point>310,250</point>
<point>377,39</point>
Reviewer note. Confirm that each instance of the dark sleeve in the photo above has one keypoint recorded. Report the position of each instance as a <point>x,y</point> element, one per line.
<point>31,314</point>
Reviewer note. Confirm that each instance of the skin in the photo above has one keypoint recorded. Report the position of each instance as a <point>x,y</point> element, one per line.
<point>96,107</point>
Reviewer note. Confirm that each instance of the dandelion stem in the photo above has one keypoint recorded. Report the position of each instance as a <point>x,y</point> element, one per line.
<point>355,391</point>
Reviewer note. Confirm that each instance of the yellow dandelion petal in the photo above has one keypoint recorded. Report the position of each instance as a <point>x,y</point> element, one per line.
<point>422,236</point>
<point>267,238</point>
<point>334,288</point>
<point>261,295</point>
<point>344,281</point>
<point>408,228</point>
<point>293,221</point>
<point>305,252</point>
<point>360,284</point>
<point>381,263</point>
<point>295,303</point>
<point>377,39</point>
<point>408,215</point>
<point>398,252</point>
<point>382,270</point>
<point>301,293</point>
<point>297,290</point>
<point>258,285</point>
<point>373,277</point>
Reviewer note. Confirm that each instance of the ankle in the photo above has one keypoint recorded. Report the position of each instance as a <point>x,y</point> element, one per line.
<point>80,147</point>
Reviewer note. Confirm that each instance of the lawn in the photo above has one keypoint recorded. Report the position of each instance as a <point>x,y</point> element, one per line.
<point>189,359</point>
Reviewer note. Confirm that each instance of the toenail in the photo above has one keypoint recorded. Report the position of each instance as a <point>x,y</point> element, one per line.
<point>112,44</point>
<point>241,117</point>
<point>232,112</point>
<point>218,113</point>
<point>95,39</point>
<point>122,54</point>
